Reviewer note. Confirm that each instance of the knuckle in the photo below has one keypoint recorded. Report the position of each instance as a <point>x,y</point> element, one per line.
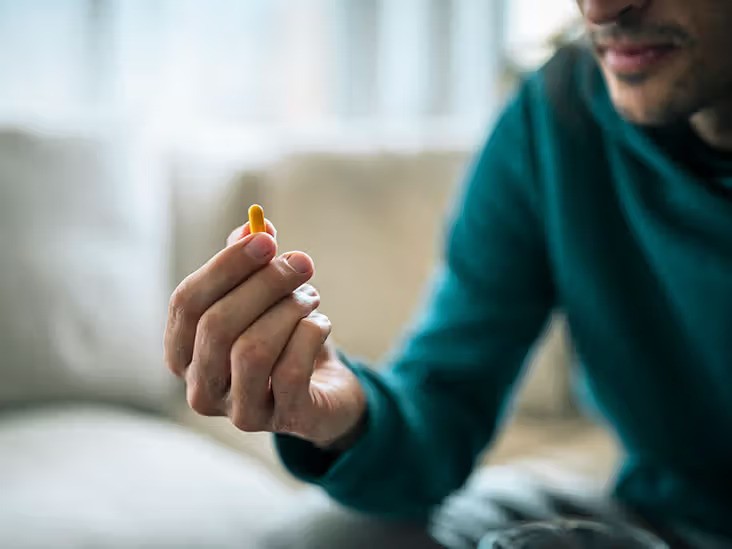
<point>251,352</point>
<point>289,375</point>
<point>212,325</point>
<point>172,365</point>
<point>180,301</point>
<point>200,402</point>
<point>217,386</point>
<point>288,422</point>
<point>244,421</point>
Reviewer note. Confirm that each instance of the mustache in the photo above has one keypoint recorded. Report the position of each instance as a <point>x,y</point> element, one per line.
<point>638,32</point>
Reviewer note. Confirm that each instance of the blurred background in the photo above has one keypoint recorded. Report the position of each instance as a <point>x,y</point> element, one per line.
<point>264,68</point>
<point>133,136</point>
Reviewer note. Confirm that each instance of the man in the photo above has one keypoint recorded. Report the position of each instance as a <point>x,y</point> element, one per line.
<point>606,191</point>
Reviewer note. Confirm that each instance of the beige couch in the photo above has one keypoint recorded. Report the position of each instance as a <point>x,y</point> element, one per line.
<point>97,447</point>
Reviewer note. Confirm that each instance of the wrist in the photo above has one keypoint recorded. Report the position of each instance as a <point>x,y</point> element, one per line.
<point>346,441</point>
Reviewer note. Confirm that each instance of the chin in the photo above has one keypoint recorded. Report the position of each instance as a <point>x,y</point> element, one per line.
<point>647,103</point>
<point>644,115</point>
<point>656,98</point>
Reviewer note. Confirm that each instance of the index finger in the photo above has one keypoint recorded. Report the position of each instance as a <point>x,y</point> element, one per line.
<point>245,230</point>
<point>201,289</point>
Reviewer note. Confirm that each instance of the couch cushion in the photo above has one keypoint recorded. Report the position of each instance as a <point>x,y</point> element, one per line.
<point>83,284</point>
<point>96,477</point>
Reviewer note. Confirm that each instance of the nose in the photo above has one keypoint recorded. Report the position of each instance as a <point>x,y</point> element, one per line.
<point>599,12</point>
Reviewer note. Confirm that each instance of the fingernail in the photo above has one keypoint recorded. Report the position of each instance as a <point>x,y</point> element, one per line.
<point>308,289</point>
<point>258,247</point>
<point>299,263</point>
<point>307,298</point>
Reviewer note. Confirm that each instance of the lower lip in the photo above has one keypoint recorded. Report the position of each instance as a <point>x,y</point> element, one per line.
<point>637,61</point>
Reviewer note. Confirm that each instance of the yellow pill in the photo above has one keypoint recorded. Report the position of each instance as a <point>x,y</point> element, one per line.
<point>256,219</point>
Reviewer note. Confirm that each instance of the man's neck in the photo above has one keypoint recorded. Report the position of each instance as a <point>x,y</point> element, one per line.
<point>714,126</point>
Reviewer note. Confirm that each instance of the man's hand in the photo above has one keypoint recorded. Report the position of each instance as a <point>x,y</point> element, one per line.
<point>244,333</point>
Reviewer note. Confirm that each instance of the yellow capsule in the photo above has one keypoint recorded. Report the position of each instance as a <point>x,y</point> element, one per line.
<point>256,219</point>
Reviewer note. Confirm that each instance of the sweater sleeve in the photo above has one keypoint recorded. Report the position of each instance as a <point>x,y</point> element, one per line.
<point>435,407</point>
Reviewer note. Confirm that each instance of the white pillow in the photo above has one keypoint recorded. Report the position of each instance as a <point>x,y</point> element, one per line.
<point>83,270</point>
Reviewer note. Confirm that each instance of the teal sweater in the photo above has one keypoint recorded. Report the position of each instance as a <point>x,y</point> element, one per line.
<point>628,232</point>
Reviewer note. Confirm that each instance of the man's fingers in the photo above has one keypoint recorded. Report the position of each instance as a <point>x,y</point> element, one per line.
<point>244,230</point>
<point>203,288</point>
<point>235,236</point>
<point>255,353</point>
<point>291,375</point>
<point>234,314</point>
